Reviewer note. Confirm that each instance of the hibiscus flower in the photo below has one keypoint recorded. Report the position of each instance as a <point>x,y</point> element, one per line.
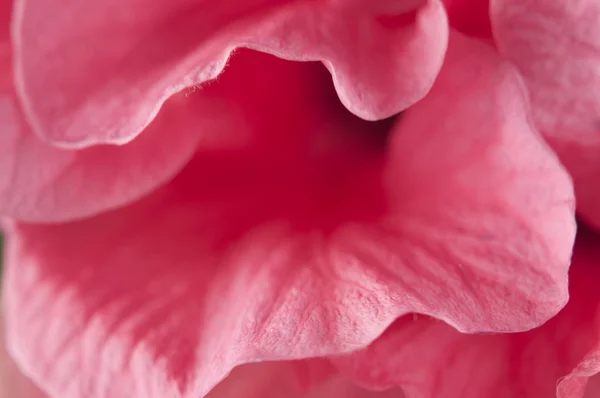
<point>267,198</point>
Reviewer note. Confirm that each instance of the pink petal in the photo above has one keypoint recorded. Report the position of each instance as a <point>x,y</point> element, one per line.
<point>304,242</point>
<point>289,379</point>
<point>584,380</point>
<point>98,72</point>
<point>556,45</point>
<point>259,380</point>
<point>281,379</point>
<point>13,384</point>
<point>432,360</point>
<point>41,183</point>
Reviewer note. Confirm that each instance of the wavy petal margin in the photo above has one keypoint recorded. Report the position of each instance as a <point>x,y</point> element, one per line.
<point>41,183</point>
<point>429,359</point>
<point>99,72</point>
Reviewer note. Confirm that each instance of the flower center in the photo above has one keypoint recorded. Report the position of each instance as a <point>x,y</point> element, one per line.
<point>296,152</point>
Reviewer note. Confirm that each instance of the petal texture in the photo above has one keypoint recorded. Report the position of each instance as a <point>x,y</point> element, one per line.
<point>99,72</point>
<point>556,45</point>
<point>41,183</point>
<point>308,240</point>
<point>432,360</point>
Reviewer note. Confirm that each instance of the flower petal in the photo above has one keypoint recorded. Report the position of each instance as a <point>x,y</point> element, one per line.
<point>13,384</point>
<point>304,243</point>
<point>41,183</point>
<point>282,379</point>
<point>98,72</point>
<point>432,360</point>
<point>486,209</point>
<point>584,380</point>
<point>556,45</point>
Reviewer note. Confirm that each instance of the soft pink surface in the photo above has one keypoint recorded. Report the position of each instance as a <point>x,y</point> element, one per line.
<point>432,360</point>
<point>312,378</point>
<point>306,236</point>
<point>556,46</point>
<point>97,72</point>
<point>13,384</point>
<point>42,183</point>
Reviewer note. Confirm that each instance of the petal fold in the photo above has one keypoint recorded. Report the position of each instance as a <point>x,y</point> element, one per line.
<point>42,183</point>
<point>482,198</point>
<point>429,359</point>
<point>556,46</point>
<point>99,72</point>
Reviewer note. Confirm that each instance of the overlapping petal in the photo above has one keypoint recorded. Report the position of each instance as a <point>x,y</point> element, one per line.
<point>41,183</point>
<point>304,241</point>
<point>556,45</point>
<point>432,360</point>
<point>98,72</point>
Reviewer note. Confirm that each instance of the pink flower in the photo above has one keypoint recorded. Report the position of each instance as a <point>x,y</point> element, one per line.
<point>275,188</point>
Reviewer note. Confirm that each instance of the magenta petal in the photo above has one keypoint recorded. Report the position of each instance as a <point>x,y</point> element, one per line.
<point>556,46</point>
<point>432,360</point>
<point>277,248</point>
<point>98,72</point>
